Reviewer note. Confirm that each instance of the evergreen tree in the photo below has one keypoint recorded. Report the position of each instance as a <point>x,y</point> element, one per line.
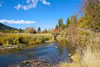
<point>39,29</point>
<point>56,26</point>
<point>67,22</point>
<point>71,21</point>
<point>45,31</point>
<point>63,26</point>
<point>60,22</point>
<point>74,19</point>
<point>20,30</point>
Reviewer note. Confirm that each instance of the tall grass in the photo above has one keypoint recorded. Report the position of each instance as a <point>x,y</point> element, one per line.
<point>89,58</point>
<point>23,38</point>
<point>88,48</point>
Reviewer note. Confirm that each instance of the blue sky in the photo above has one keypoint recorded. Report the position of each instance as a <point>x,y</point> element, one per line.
<point>35,13</point>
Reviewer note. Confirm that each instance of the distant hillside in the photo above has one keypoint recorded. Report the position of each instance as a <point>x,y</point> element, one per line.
<point>5,27</point>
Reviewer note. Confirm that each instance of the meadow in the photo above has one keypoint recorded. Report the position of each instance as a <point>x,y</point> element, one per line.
<point>19,39</point>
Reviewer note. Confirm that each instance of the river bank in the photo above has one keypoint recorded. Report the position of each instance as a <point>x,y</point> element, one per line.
<point>22,46</point>
<point>13,41</point>
<point>87,47</point>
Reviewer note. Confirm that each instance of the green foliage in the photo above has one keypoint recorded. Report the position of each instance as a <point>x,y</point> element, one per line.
<point>20,39</point>
<point>39,29</point>
<point>91,17</point>
<point>60,21</point>
<point>20,30</point>
<point>67,22</point>
<point>84,33</point>
<point>74,19</point>
<point>56,27</point>
<point>6,28</point>
<point>45,31</point>
<point>63,26</point>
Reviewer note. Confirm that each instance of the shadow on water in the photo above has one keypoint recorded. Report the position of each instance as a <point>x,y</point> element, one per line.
<point>71,49</point>
<point>52,53</point>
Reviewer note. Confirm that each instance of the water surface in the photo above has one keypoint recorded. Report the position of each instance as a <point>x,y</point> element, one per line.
<point>51,53</point>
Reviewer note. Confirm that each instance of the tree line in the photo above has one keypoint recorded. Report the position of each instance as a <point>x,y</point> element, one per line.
<point>27,30</point>
<point>90,18</point>
<point>69,22</point>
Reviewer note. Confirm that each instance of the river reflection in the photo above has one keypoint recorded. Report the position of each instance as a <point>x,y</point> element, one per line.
<point>71,49</point>
<point>52,53</point>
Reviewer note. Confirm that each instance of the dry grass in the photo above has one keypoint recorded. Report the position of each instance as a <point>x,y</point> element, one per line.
<point>88,51</point>
<point>89,58</point>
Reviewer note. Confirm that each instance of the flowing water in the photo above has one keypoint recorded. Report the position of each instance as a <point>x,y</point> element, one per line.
<point>52,53</point>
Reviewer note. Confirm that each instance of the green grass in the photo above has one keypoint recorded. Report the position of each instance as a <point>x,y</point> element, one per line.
<point>23,39</point>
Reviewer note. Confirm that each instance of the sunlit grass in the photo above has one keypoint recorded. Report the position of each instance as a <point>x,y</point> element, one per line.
<point>23,38</point>
<point>89,58</point>
<point>88,48</point>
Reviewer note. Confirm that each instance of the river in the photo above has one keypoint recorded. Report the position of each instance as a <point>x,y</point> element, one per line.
<point>51,53</point>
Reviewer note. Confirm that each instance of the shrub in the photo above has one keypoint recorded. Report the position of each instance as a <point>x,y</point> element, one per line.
<point>20,39</point>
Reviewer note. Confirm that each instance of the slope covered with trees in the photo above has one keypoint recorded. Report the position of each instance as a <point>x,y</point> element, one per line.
<point>5,27</point>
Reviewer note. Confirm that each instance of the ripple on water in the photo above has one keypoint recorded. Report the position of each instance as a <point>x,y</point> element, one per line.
<point>47,52</point>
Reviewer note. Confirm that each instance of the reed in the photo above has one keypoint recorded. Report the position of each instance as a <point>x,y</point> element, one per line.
<point>23,38</point>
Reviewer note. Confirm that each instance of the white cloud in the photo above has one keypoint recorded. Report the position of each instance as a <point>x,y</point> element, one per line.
<point>45,2</point>
<point>18,6</point>
<point>17,21</point>
<point>31,4</point>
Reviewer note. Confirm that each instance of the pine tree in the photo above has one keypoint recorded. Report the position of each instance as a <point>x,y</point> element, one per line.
<point>67,22</point>
<point>60,22</point>
<point>56,26</point>
<point>39,29</point>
